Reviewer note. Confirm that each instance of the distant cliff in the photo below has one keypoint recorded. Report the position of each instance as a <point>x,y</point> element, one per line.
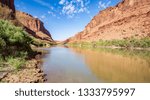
<point>32,25</point>
<point>129,18</point>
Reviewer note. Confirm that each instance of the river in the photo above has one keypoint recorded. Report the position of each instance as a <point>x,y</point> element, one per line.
<point>96,65</point>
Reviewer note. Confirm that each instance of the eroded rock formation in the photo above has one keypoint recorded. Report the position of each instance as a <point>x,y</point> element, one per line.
<point>34,26</point>
<point>129,18</point>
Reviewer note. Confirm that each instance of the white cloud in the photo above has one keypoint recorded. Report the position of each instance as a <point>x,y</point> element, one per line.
<point>51,13</point>
<point>78,0</point>
<point>103,5</point>
<point>51,8</point>
<point>61,2</point>
<point>82,10</point>
<point>35,16</point>
<point>43,17</point>
<point>69,9</point>
<point>41,2</point>
<point>73,7</point>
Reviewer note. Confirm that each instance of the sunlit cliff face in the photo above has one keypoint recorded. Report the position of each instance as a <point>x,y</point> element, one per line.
<point>127,19</point>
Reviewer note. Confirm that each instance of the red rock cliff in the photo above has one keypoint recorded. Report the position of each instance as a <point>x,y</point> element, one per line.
<point>34,26</point>
<point>9,3</point>
<point>130,18</point>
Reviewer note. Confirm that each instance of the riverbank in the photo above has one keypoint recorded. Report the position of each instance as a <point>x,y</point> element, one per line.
<point>113,47</point>
<point>19,62</point>
<point>132,43</point>
<point>31,72</point>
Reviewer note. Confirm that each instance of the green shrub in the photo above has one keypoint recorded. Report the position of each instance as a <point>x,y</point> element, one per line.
<point>14,44</point>
<point>16,63</point>
<point>2,43</point>
<point>11,35</point>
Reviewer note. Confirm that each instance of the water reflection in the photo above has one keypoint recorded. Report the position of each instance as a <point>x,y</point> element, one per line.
<point>64,65</point>
<point>96,65</point>
<point>113,65</point>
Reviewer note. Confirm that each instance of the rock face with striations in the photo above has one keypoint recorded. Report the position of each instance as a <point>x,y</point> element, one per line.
<point>129,18</point>
<point>33,26</point>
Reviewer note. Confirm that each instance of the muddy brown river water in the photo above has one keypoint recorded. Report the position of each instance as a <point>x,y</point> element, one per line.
<point>93,65</point>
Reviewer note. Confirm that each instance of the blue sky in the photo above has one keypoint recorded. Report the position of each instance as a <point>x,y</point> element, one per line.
<point>64,18</point>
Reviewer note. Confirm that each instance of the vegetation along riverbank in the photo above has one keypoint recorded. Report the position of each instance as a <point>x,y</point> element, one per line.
<point>20,34</point>
<point>131,43</point>
<point>18,61</point>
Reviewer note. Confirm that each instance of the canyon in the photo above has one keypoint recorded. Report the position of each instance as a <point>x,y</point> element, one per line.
<point>32,25</point>
<point>128,19</point>
<point>36,59</point>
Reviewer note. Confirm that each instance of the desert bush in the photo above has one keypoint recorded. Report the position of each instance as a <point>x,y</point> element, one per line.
<point>13,36</point>
<point>16,63</point>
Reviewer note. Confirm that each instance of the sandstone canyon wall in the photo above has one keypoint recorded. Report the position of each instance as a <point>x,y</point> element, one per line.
<point>32,25</point>
<point>129,18</point>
